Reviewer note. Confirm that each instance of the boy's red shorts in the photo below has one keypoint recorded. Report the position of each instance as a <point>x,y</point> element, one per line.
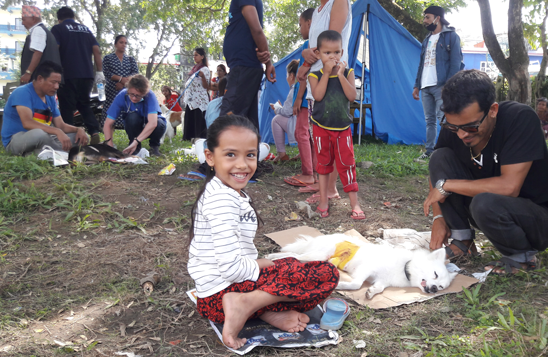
<point>331,146</point>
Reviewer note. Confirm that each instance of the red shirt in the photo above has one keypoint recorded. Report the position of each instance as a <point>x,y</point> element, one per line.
<point>173,100</point>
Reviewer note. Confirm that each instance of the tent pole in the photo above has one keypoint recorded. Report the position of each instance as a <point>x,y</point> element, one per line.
<point>365,27</point>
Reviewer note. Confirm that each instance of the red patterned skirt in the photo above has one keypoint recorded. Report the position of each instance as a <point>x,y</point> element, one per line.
<point>308,283</point>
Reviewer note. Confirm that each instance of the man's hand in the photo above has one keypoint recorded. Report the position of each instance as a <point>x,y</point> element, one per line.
<point>264,263</point>
<point>309,55</point>
<point>99,77</point>
<point>342,67</point>
<point>272,106</point>
<point>433,196</point>
<point>270,73</point>
<point>130,149</point>
<point>264,56</point>
<point>440,234</point>
<point>416,93</point>
<point>65,140</point>
<point>201,74</point>
<point>302,73</point>
<point>81,137</point>
<point>25,78</point>
<point>297,106</point>
<point>124,80</point>
<point>119,86</point>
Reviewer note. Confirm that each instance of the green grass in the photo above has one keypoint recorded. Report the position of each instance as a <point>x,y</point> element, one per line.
<point>388,160</point>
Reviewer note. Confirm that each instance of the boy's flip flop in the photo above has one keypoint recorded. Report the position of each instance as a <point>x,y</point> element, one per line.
<point>294,181</point>
<point>336,311</point>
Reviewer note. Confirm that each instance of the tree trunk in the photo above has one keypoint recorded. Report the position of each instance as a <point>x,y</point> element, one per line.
<point>415,28</point>
<point>516,67</point>
<point>541,77</point>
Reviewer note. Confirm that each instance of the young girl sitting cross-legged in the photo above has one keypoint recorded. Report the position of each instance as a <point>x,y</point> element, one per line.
<point>231,283</point>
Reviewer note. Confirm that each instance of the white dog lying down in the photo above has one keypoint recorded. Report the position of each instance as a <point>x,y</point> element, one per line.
<point>380,265</point>
<point>173,119</point>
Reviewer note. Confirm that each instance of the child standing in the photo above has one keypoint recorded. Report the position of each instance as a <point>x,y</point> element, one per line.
<point>231,283</point>
<point>300,110</point>
<point>333,88</point>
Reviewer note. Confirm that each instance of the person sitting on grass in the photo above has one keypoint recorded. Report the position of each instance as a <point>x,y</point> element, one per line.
<point>333,88</point>
<point>30,112</point>
<point>214,107</point>
<point>284,121</point>
<point>232,285</point>
<point>489,170</point>
<point>141,113</point>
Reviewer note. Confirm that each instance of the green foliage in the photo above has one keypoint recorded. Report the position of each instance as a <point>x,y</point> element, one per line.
<point>167,75</point>
<point>17,198</point>
<point>22,168</point>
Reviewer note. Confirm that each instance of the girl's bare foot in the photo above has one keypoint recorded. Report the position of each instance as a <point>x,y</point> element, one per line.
<point>236,315</point>
<point>290,321</point>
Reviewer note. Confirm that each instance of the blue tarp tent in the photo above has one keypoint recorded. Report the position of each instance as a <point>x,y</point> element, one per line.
<point>393,57</point>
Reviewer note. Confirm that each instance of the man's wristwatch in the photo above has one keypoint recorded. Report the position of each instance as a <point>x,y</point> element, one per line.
<point>439,186</point>
<point>28,72</point>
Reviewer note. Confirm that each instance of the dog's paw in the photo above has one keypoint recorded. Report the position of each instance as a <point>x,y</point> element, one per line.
<point>369,294</point>
<point>373,290</point>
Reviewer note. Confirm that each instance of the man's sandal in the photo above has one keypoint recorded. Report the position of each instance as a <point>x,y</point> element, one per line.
<point>507,264</point>
<point>466,251</point>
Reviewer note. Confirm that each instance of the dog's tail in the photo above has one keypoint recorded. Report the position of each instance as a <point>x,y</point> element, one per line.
<point>300,246</point>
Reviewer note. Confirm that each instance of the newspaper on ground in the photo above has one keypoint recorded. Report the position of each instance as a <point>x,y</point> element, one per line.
<point>259,333</point>
<point>58,157</point>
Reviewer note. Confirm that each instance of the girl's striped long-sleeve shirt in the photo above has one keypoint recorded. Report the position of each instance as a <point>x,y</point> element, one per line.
<point>222,250</point>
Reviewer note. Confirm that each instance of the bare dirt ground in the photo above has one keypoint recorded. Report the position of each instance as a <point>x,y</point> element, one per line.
<point>72,288</point>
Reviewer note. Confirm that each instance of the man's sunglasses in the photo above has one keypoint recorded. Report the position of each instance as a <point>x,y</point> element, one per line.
<point>469,128</point>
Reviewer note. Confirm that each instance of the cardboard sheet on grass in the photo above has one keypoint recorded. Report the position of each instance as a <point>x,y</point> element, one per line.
<point>259,333</point>
<point>390,296</point>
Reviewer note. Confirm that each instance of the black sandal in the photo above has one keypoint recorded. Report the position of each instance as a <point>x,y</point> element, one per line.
<point>466,251</point>
<point>507,264</point>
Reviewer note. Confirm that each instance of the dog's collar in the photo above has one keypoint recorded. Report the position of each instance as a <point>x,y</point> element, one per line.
<point>406,271</point>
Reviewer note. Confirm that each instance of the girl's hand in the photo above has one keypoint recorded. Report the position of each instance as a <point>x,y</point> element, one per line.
<point>264,263</point>
<point>201,74</point>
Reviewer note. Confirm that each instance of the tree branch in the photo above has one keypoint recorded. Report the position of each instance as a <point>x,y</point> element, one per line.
<point>490,39</point>
<point>415,28</point>
<point>164,57</point>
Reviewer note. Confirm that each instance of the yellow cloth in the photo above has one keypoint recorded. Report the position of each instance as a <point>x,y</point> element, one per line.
<point>344,252</point>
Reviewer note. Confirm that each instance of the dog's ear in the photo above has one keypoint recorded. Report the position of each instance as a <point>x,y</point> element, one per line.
<point>439,254</point>
<point>453,275</point>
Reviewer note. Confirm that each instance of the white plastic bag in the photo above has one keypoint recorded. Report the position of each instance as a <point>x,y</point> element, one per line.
<point>59,158</point>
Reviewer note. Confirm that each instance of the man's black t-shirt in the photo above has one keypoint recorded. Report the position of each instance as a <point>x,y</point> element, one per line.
<point>76,43</point>
<point>517,138</point>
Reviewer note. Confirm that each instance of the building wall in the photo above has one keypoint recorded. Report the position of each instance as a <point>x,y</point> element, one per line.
<point>12,39</point>
<point>474,60</point>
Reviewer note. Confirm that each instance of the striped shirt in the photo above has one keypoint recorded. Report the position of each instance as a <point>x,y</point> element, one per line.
<point>222,250</point>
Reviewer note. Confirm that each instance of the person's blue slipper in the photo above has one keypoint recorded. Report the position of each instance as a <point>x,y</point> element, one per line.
<point>189,178</point>
<point>336,311</point>
<point>196,173</point>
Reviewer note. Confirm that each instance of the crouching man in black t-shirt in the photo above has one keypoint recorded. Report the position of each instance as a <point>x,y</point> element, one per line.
<point>489,170</point>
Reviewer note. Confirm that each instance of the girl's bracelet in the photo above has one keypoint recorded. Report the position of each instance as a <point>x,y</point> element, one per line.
<point>436,217</point>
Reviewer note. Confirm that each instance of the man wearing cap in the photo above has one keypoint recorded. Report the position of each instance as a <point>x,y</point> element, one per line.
<point>77,46</point>
<point>40,44</point>
<point>441,58</point>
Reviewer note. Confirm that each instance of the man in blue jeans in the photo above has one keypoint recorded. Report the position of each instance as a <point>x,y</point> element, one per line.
<point>441,58</point>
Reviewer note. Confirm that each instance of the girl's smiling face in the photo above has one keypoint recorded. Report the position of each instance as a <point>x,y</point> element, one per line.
<point>235,159</point>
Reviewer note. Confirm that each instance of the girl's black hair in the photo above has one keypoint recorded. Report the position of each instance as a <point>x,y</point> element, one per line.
<point>220,125</point>
<point>202,52</point>
<point>118,38</point>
